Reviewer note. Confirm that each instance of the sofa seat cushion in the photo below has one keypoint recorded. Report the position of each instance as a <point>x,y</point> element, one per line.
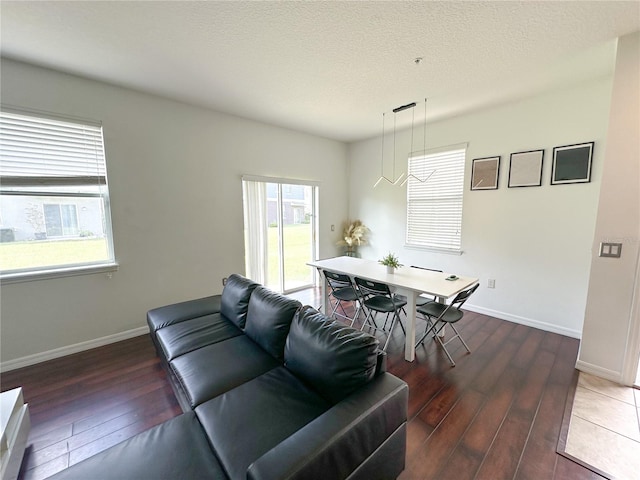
<point>332,358</point>
<point>339,443</point>
<point>177,448</point>
<point>248,421</point>
<point>179,312</point>
<point>186,336</point>
<point>209,371</point>
<point>268,320</point>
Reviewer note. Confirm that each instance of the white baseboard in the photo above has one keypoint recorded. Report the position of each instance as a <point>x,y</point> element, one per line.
<point>599,371</point>
<point>547,327</point>
<point>70,349</point>
<point>98,342</point>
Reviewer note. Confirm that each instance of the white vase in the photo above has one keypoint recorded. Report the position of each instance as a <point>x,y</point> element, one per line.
<point>390,269</point>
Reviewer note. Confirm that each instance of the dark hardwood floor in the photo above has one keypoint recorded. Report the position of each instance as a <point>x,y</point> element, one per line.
<point>496,415</point>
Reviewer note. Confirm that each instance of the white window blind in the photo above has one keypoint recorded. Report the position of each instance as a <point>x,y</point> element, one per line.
<point>41,150</point>
<point>54,197</point>
<point>434,199</point>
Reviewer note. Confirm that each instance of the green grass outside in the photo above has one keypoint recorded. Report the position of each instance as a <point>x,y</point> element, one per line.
<point>20,255</point>
<point>297,248</point>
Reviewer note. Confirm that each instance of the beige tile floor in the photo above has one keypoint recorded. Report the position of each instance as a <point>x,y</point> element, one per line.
<point>604,430</point>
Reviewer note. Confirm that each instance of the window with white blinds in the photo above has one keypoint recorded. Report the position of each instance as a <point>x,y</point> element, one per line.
<point>434,199</point>
<point>54,197</point>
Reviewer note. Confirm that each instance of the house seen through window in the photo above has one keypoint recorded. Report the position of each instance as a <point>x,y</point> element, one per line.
<point>54,198</point>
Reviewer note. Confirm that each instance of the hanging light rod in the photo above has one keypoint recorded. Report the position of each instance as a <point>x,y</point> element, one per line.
<point>394,180</point>
<point>424,150</point>
<point>404,107</point>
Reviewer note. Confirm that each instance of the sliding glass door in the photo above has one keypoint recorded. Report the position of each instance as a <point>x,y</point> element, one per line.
<point>280,218</point>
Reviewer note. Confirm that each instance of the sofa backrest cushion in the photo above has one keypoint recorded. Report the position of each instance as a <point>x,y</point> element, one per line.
<point>330,357</point>
<point>235,298</point>
<point>269,319</point>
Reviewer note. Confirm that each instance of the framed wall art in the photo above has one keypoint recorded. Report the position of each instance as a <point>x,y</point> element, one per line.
<point>484,173</point>
<point>525,169</point>
<point>572,164</point>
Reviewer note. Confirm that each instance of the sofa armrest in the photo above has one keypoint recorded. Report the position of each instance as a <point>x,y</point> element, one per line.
<point>336,443</point>
<point>179,312</point>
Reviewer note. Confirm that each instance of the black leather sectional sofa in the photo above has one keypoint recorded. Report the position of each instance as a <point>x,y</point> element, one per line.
<point>270,390</point>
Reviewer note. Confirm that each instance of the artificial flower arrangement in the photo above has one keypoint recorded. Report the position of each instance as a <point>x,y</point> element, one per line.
<point>354,235</point>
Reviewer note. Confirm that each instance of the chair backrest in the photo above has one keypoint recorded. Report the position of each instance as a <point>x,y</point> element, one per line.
<point>337,280</point>
<point>462,297</point>
<point>369,287</point>
<point>425,268</point>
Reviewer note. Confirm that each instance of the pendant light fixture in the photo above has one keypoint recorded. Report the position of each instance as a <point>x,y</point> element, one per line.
<point>424,150</point>
<point>401,179</point>
<point>393,180</point>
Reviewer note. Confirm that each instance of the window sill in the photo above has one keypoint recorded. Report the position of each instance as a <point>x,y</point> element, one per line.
<point>448,251</point>
<point>18,277</point>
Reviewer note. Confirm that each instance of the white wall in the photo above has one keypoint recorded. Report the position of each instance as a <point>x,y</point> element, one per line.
<point>174,176</point>
<point>611,328</point>
<point>535,242</point>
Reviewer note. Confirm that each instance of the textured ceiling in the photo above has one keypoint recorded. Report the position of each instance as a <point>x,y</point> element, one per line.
<point>327,68</point>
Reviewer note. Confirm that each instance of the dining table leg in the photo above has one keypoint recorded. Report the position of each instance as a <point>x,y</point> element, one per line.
<point>326,303</point>
<point>410,340</point>
<point>442,332</point>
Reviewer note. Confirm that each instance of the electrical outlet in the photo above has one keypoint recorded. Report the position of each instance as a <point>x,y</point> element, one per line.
<point>491,283</point>
<point>224,281</point>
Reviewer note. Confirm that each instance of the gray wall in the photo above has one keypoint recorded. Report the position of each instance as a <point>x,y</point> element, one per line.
<point>611,337</point>
<point>536,241</point>
<point>176,197</point>
<point>176,201</point>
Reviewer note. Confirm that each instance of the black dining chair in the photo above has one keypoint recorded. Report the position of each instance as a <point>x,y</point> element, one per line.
<point>377,297</point>
<point>342,290</point>
<point>438,315</point>
<point>421,299</point>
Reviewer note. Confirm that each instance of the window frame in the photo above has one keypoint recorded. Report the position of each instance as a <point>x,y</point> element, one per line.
<point>55,189</point>
<point>420,174</point>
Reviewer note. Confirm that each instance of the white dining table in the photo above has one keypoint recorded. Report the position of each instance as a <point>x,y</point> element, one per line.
<point>407,281</point>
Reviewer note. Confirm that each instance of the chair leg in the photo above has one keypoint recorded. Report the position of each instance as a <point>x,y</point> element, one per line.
<point>446,352</point>
<point>428,329</point>
<point>335,307</point>
<point>393,323</point>
<point>356,314</point>
<point>461,339</point>
<point>344,312</point>
<point>444,344</point>
<point>399,322</point>
<point>386,319</point>
<point>359,309</point>
<point>436,329</point>
<point>369,320</point>
<point>338,304</point>
<point>402,327</point>
<point>366,317</point>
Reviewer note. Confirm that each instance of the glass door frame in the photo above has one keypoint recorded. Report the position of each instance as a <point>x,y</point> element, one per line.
<point>314,222</point>
<point>314,237</point>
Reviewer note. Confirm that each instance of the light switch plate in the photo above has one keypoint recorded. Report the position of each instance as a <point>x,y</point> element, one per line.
<point>612,250</point>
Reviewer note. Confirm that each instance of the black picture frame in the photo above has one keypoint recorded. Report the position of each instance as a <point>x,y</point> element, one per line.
<point>485,173</point>
<point>572,163</point>
<point>525,169</point>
